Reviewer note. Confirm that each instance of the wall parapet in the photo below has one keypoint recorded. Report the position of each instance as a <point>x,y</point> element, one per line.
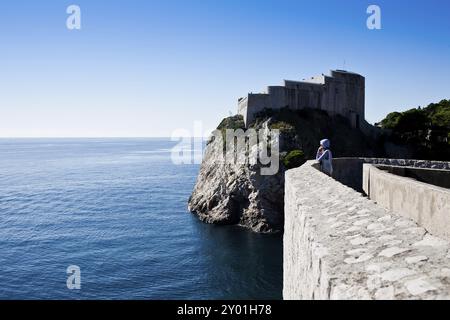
<point>427,204</point>
<point>349,171</point>
<point>340,245</point>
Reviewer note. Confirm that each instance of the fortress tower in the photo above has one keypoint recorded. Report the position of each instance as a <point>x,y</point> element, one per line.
<point>341,93</point>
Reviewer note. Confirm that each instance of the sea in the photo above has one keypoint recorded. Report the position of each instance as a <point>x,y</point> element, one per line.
<point>107,219</point>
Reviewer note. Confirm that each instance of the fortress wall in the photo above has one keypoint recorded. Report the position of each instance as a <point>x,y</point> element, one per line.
<point>343,94</point>
<point>427,204</point>
<point>340,245</point>
<point>278,96</point>
<point>349,171</point>
<point>243,108</point>
<point>369,130</point>
<point>253,104</point>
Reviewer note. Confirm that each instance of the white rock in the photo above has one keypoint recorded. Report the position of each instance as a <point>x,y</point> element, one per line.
<point>416,231</point>
<point>390,252</point>
<point>387,237</point>
<point>387,293</point>
<point>337,225</point>
<point>431,241</point>
<point>385,230</point>
<point>375,226</point>
<point>359,241</point>
<point>363,211</point>
<point>416,259</point>
<point>396,274</point>
<point>373,282</point>
<point>403,223</point>
<point>418,286</point>
<point>356,252</point>
<point>342,214</point>
<point>352,229</point>
<point>364,257</point>
<point>378,267</point>
<point>445,272</point>
<point>331,220</point>
<point>386,218</point>
<point>361,222</point>
<point>393,243</point>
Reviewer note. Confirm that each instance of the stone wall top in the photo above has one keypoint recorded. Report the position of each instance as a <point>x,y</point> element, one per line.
<point>340,245</point>
<point>444,165</point>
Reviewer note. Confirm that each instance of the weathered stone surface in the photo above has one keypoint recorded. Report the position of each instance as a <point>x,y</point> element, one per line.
<point>393,251</point>
<point>416,259</point>
<point>321,262</point>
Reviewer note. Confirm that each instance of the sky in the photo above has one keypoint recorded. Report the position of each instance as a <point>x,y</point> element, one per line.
<point>147,68</point>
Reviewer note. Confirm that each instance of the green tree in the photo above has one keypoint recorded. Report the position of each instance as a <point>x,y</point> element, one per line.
<point>391,120</point>
<point>294,159</point>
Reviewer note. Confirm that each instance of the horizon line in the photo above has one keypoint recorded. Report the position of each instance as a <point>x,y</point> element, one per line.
<point>100,137</point>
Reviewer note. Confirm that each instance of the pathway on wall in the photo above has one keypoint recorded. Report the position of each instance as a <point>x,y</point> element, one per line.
<point>340,245</point>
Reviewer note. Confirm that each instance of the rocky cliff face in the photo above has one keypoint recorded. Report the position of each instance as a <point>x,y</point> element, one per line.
<point>227,193</point>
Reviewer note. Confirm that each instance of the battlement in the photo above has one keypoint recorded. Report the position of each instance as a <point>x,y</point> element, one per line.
<point>342,93</point>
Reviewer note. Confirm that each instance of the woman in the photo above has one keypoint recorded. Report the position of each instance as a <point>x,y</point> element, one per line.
<point>325,157</point>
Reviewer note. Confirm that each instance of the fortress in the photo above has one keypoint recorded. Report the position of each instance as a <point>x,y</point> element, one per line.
<point>341,93</point>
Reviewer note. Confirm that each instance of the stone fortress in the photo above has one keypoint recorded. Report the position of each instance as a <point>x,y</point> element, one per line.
<point>341,93</point>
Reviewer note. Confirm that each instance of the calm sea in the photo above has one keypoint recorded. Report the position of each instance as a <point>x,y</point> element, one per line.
<point>117,208</point>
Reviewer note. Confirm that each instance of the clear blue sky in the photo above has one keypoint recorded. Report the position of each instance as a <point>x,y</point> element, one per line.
<point>145,68</point>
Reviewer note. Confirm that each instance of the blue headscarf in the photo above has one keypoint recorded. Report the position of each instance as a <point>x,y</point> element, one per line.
<point>325,143</point>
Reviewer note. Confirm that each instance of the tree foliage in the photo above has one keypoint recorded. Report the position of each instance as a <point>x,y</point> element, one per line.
<point>427,128</point>
<point>294,159</point>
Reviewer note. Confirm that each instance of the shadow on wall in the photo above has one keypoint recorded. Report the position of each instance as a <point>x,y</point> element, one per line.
<point>349,171</point>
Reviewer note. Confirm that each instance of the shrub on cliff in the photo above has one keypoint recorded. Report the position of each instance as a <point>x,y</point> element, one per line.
<point>234,123</point>
<point>283,126</point>
<point>294,159</point>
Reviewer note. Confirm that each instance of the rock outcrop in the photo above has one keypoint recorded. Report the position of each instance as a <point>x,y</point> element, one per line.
<point>227,193</point>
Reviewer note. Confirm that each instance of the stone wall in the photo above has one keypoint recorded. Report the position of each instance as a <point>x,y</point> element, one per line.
<point>436,177</point>
<point>349,171</point>
<point>427,204</point>
<point>410,163</point>
<point>340,245</point>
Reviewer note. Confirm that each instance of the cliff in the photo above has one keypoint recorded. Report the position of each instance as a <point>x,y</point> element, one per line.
<point>227,193</point>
